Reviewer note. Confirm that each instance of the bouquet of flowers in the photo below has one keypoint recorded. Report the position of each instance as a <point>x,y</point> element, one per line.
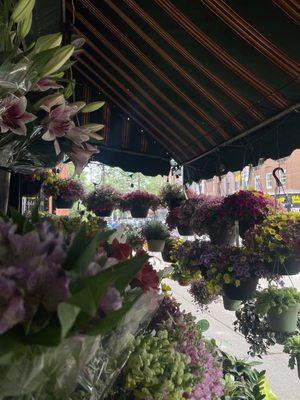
<point>66,189</point>
<point>172,219</point>
<point>172,195</point>
<point>200,293</point>
<point>275,240</point>
<point>248,207</point>
<point>103,200</point>
<point>37,122</point>
<point>139,200</point>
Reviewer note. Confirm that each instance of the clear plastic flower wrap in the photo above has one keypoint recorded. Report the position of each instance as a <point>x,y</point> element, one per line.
<point>47,373</point>
<point>98,377</point>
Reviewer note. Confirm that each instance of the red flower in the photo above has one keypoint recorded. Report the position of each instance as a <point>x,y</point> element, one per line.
<point>120,251</point>
<point>147,278</point>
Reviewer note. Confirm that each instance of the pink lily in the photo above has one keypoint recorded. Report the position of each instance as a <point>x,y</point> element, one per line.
<point>45,84</point>
<point>13,115</point>
<point>80,156</point>
<point>78,134</point>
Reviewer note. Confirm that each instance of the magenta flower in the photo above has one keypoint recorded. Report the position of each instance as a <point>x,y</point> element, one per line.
<point>80,155</point>
<point>13,115</point>
<point>59,122</point>
<point>45,84</point>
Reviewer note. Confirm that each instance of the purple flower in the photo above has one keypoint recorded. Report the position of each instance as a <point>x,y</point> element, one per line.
<point>111,301</point>
<point>45,84</point>
<point>12,309</point>
<point>13,115</point>
<point>80,155</point>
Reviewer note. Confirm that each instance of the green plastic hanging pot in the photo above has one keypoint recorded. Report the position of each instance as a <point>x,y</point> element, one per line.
<point>245,291</point>
<point>291,266</point>
<point>231,305</point>
<point>224,235</point>
<point>139,212</point>
<point>185,230</point>
<point>156,246</point>
<point>286,321</point>
<point>60,202</point>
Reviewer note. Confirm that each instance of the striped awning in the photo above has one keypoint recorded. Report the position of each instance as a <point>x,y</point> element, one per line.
<point>213,83</point>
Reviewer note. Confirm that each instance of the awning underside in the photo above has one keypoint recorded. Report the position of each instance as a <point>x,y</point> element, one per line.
<point>192,76</point>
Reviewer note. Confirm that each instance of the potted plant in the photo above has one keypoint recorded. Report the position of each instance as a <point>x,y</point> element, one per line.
<point>292,347</point>
<point>171,247</point>
<point>276,240</point>
<point>185,215</point>
<point>231,305</point>
<point>248,207</point>
<point>135,239</point>
<point>103,200</point>
<point>281,305</point>
<point>209,218</point>
<point>200,294</point>
<point>234,271</point>
<point>174,221</point>
<point>139,202</point>
<point>64,191</point>
<point>172,195</point>
<point>156,234</point>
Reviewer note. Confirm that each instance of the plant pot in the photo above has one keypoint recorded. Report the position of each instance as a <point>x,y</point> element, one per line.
<point>245,291</point>
<point>31,188</point>
<point>291,266</point>
<point>62,203</point>
<point>231,305</point>
<point>139,212</point>
<point>182,282</point>
<point>298,365</point>
<point>284,322</point>
<point>103,213</point>
<point>185,230</point>
<point>156,246</point>
<point>224,235</point>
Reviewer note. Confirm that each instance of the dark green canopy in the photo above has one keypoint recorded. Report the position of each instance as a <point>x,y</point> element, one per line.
<point>213,84</point>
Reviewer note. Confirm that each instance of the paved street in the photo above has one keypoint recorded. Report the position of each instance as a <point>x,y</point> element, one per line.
<point>284,382</point>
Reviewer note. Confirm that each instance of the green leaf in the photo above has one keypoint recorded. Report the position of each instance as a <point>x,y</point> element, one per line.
<point>112,320</point>
<point>266,390</point>
<point>203,325</point>
<point>10,346</point>
<point>24,226</point>
<point>67,314</point>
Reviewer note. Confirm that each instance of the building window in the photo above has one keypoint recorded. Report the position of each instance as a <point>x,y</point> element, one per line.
<point>269,180</point>
<point>282,177</point>
<point>257,184</point>
<point>228,184</point>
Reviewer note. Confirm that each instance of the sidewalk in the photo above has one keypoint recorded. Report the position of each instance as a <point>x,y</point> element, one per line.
<point>284,382</point>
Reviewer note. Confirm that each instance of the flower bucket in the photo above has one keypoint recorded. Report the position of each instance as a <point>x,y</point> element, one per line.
<point>156,246</point>
<point>291,266</point>
<point>245,291</point>
<point>62,203</point>
<point>139,212</point>
<point>224,235</point>
<point>284,322</point>
<point>231,305</point>
<point>103,213</point>
<point>185,230</point>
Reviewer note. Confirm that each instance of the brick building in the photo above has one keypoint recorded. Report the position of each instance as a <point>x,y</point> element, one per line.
<point>260,178</point>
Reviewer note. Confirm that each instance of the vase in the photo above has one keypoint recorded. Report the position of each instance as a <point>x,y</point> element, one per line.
<point>156,246</point>
<point>223,235</point>
<point>184,230</point>
<point>286,321</point>
<point>231,305</point>
<point>139,212</point>
<point>245,291</point>
<point>103,213</point>
<point>62,203</point>
<point>291,266</point>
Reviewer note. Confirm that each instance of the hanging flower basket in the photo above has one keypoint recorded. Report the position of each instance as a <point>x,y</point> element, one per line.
<point>185,230</point>
<point>156,246</point>
<point>231,305</point>
<point>223,235</point>
<point>103,213</point>
<point>139,212</point>
<point>245,291</point>
<point>60,202</point>
<point>291,266</point>
<point>286,321</point>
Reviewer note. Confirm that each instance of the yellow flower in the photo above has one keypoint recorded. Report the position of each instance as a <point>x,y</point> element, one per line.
<point>237,282</point>
<point>218,289</point>
<point>227,278</point>
<point>278,237</point>
<point>230,269</point>
<point>165,288</point>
